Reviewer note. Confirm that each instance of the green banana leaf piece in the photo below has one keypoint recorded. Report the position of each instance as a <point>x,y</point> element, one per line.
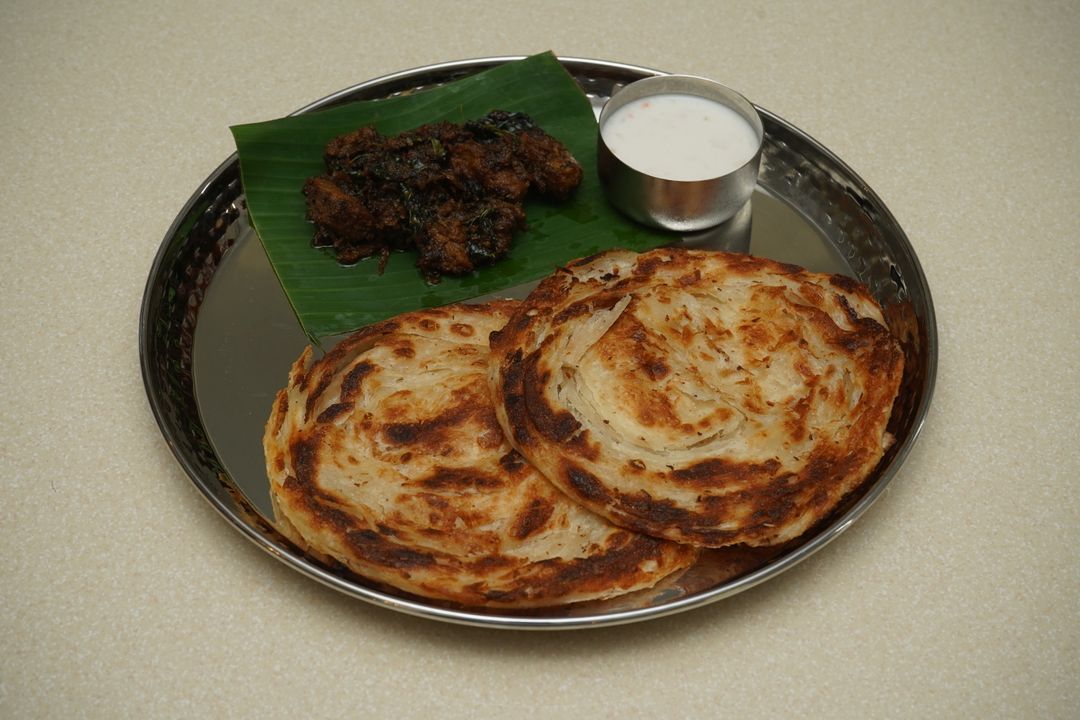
<point>276,158</point>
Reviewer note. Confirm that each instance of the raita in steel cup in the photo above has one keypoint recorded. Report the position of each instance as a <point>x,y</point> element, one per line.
<point>679,152</point>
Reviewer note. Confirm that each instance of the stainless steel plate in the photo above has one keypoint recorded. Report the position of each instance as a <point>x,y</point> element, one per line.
<point>217,337</point>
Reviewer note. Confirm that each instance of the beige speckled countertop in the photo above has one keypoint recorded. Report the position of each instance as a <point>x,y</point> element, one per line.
<point>123,594</point>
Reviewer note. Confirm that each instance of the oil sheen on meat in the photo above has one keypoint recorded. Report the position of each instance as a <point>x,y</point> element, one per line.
<point>454,193</point>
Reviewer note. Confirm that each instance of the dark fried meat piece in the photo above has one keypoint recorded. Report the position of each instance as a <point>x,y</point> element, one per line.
<point>490,167</point>
<point>553,171</point>
<point>452,192</point>
<point>463,235</point>
<point>336,212</point>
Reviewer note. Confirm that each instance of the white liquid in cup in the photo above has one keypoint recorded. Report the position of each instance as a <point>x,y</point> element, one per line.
<point>677,136</point>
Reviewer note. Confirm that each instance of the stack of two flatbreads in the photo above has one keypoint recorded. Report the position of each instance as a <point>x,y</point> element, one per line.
<point>589,440</point>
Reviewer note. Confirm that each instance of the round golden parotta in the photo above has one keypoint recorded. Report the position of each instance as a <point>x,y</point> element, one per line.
<point>702,397</point>
<point>386,456</point>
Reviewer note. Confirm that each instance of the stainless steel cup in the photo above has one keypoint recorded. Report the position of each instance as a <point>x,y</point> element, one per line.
<point>679,205</point>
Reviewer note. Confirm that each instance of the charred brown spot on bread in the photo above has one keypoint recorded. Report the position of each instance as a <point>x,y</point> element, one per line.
<point>656,368</point>
<point>512,462</point>
<point>585,483</point>
<point>722,414</point>
<point>444,478</point>
<point>620,565</point>
<point>812,293</point>
<point>755,334</point>
<point>532,518</point>
<point>405,350</point>
<point>689,279</point>
<point>582,447</point>
<point>556,425</point>
<point>435,501</point>
<point>631,334</point>
<point>648,264</point>
<point>316,394</point>
<point>375,549</point>
<point>711,537</point>
<point>503,308</point>
<point>513,398</point>
<point>507,597</point>
<point>852,316</point>
<point>350,384</point>
<point>655,512</point>
<point>515,328</point>
<point>802,367</point>
<point>332,517</point>
<point>740,264</point>
<point>305,459</point>
<point>717,472</point>
<point>462,329</point>
<point>651,408</point>
<point>291,485</point>
<point>333,412</point>
<point>490,437</point>
<point>574,310</point>
<point>487,431</point>
<point>853,342</point>
<point>624,560</point>
<point>845,284</point>
<point>775,502</point>
<point>281,409</point>
<point>555,287</point>
<point>796,421</point>
<point>818,468</point>
<point>491,562</point>
<point>430,432</point>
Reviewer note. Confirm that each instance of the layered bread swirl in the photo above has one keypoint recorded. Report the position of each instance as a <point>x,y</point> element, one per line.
<point>702,397</point>
<point>386,456</point>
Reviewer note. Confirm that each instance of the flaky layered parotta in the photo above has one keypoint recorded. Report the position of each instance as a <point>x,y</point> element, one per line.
<point>386,456</point>
<point>702,397</point>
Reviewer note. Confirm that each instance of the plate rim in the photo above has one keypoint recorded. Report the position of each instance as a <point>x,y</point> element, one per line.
<point>279,548</point>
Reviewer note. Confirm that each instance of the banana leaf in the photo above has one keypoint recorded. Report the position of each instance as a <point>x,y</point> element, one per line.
<point>276,157</point>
